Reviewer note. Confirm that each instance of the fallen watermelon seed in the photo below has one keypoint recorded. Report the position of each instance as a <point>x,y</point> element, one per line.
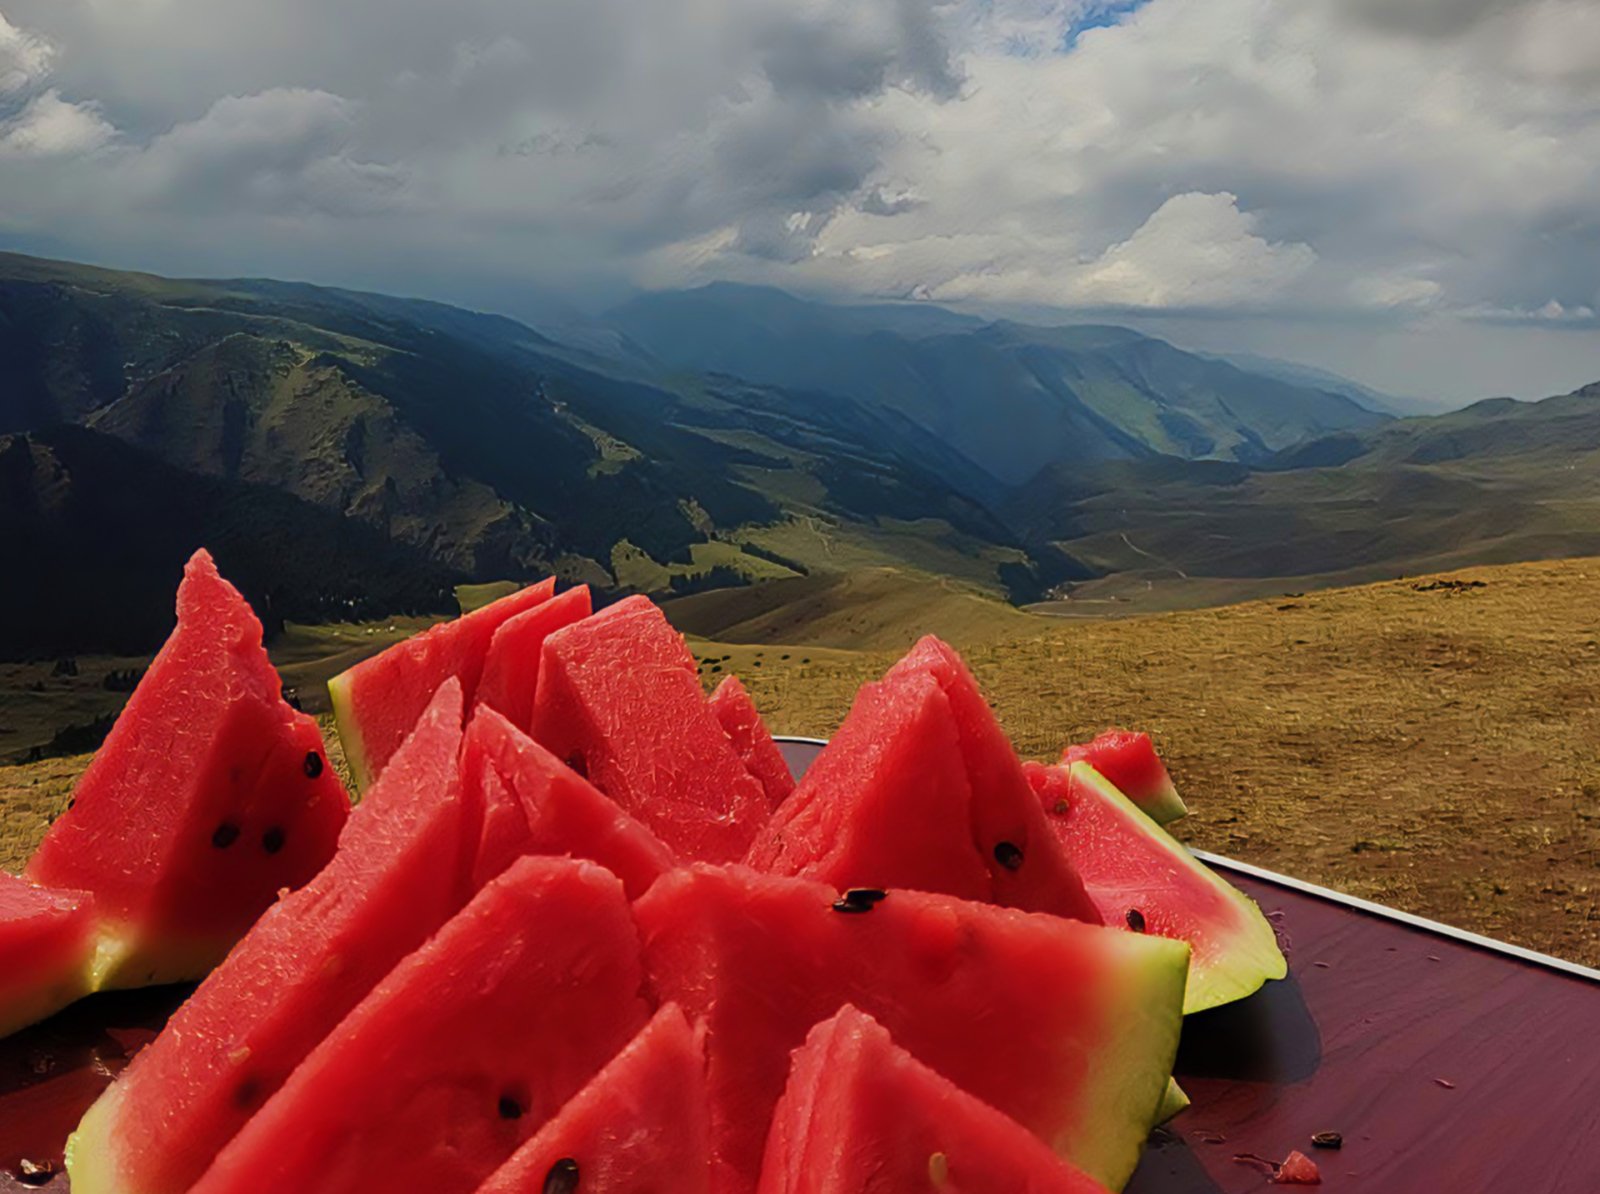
<point>510,1108</point>
<point>272,840</point>
<point>562,1178</point>
<point>866,895</point>
<point>938,1169</point>
<point>225,835</point>
<point>36,1173</point>
<point>1327,1140</point>
<point>1135,920</point>
<point>1008,855</point>
<point>849,905</point>
<point>313,764</point>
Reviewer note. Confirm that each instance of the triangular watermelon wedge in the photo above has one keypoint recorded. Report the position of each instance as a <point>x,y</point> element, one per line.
<point>860,1115</point>
<point>209,796</point>
<point>1128,759</point>
<point>640,1126</point>
<point>470,1046</point>
<point>511,669</point>
<point>886,804</point>
<point>741,721</point>
<point>620,702</point>
<point>376,702</point>
<point>395,878</point>
<point>1026,866</point>
<point>1142,878</point>
<point>538,805</point>
<point>1068,1028</point>
<point>47,945</point>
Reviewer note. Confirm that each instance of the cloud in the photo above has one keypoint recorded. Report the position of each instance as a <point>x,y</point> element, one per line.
<point>49,126</point>
<point>1405,163</point>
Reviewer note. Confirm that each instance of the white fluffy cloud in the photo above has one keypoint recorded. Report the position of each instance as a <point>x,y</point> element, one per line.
<point>1329,159</point>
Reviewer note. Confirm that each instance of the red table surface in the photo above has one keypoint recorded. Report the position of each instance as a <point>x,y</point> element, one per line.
<point>1447,1065</point>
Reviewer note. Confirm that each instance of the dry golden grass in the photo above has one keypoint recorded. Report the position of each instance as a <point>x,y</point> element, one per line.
<point>1438,751</point>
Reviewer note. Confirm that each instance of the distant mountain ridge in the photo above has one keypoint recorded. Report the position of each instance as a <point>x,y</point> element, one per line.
<point>1014,398</point>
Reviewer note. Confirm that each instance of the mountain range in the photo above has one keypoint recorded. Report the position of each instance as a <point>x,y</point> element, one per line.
<point>351,454</point>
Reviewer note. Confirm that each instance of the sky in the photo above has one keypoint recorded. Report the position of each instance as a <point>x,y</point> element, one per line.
<point>1404,191</point>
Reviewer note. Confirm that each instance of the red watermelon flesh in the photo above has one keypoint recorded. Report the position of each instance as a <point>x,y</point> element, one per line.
<point>209,796</point>
<point>639,1127</point>
<point>1142,878</point>
<point>741,721</point>
<point>511,669</point>
<point>1129,760</point>
<point>463,1052</point>
<point>46,945</point>
<point>313,956</point>
<point>886,804</point>
<point>378,701</point>
<point>547,808</point>
<point>862,1116</point>
<point>620,701</point>
<point>1058,1024</point>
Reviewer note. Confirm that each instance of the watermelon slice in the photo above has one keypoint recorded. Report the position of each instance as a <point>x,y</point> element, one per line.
<point>1140,877</point>
<point>47,941</point>
<point>538,805</point>
<point>311,958</point>
<point>619,700</point>
<point>377,702</point>
<point>741,721</point>
<point>469,1047</point>
<point>209,796</point>
<point>862,1116</point>
<point>639,1126</point>
<point>1129,760</point>
<point>1026,867</point>
<point>1060,1025</point>
<point>511,669</point>
<point>887,804</point>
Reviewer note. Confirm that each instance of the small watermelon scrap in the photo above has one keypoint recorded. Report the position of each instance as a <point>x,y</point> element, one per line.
<point>310,959</point>
<point>741,721</point>
<point>1298,1170</point>
<point>209,796</point>
<point>1129,760</point>
<point>461,1054</point>
<point>538,805</point>
<point>860,1115</point>
<point>511,669</point>
<point>1142,878</point>
<point>886,804</point>
<point>620,701</point>
<point>376,702</point>
<point>1068,1028</point>
<point>641,1125</point>
<point>47,941</point>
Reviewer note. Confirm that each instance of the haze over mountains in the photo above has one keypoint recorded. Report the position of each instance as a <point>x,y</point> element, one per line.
<point>351,454</point>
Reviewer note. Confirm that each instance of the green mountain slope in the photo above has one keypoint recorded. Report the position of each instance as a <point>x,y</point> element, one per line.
<point>1011,397</point>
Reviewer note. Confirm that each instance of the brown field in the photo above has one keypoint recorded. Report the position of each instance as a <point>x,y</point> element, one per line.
<point>1435,749</point>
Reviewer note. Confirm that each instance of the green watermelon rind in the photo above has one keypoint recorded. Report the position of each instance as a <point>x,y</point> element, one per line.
<point>349,728</point>
<point>44,999</point>
<point>1165,806</point>
<point>1253,957</point>
<point>1133,1067</point>
<point>90,1156</point>
<point>1172,1102</point>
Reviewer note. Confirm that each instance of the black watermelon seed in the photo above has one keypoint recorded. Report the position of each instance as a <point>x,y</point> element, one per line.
<point>866,895</point>
<point>272,840</point>
<point>1136,920</point>
<point>510,1107</point>
<point>36,1173</point>
<point>562,1178</point>
<point>247,1094</point>
<point>848,905</point>
<point>1327,1140</point>
<point>313,764</point>
<point>1008,855</point>
<point>579,764</point>
<point>225,835</point>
